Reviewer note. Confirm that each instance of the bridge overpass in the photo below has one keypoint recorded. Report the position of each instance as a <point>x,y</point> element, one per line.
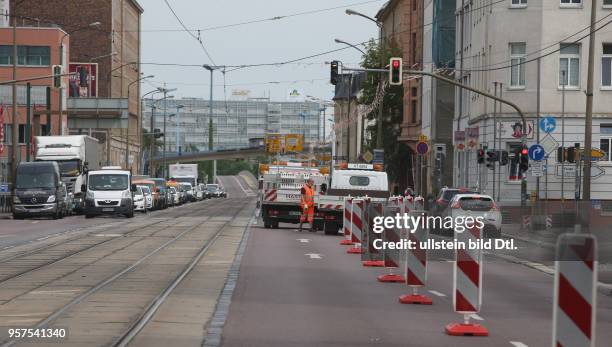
<point>190,157</point>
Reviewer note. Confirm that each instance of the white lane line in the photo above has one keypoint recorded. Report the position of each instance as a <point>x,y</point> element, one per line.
<point>303,240</point>
<point>35,222</point>
<point>60,291</point>
<point>476,317</point>
<point>437,293</point>
<point>35,314</point>
<point>518,344</point>
<point>247,193</point>
<point>108,235</point>
<point>314,255</point>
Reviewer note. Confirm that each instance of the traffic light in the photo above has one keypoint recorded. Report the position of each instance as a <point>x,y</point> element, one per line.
<point>492,157</point>
<point>504,158</point>
<point>561,155</point>
<point>396,71</point>
<point>334,72</point>
<point>57,76</point>
<point>571,154</point>
<point>157,133</point>
<point>481,156</point>
<point>524,160</point>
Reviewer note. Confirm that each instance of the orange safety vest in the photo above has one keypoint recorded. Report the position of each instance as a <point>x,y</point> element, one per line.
<point>307,196</point>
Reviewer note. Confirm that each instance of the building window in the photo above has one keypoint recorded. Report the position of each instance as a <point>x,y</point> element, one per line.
<point>413,110</point>
<point>517,68</point>
<point>414,5</point>
<point>569,62</point>
<point>607,3</point>
<point>571,3</point>
<point>415,92</point>
<point>26,55</point>
<point>606,66</point>
<point>605,142</point>
<point>519,3</point>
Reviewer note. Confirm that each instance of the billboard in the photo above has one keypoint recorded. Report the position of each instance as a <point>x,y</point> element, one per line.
<point>84,84</point>
<point>294,143</point>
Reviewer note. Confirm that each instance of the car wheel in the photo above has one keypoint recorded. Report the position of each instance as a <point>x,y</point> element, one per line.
<point>275,225</point>
<point>89,216</point>
<point>130,215</point>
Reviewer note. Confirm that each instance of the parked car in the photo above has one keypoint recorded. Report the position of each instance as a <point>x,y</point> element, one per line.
<point>161,189</point>
<point>139,200</point>
<point>215,190</point>
<point>188,190</point>
<point>39,191</point>
<point>155,196</point>
<point>200,192</point>
<point>173,197</point>
<point>148,197</point>
<point>477,205</point>
<point>446,194</point>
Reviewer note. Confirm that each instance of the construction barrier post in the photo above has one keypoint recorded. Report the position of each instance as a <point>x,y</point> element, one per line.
<point>467,285</point>
<point>346,221</point>
<point>392,257</point>
<point>372,256</point>
<point>357,214</point>
<point>416,265</point>
<point>574,310</point>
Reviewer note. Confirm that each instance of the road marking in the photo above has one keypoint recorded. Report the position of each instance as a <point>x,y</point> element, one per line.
<point>314,255</point>
<point>35,222</point>
<point>60,291</point>
<point>303,240</point>
<point>42,314</point>
<point>108,235</point>
<point>247,193</point>
<point>437,293</point>
<point>476,317</point>
<point>518,344</point>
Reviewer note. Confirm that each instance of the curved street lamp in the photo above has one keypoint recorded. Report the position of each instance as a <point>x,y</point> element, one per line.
<point>127,130</point>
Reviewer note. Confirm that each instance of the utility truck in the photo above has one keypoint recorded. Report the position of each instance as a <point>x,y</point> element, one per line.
<point>280,191</point>
<point>356,180</point>
<point>75,155</point>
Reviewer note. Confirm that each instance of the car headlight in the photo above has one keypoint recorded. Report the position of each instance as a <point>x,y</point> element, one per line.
<point>139,198</point>
<point>126,194</point>
<point>51,198</point>
<point>89,195</point>
<point>16,200</point>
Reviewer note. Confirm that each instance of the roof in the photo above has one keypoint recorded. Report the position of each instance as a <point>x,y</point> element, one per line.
<point>137,5</point>
<point>385,9</point>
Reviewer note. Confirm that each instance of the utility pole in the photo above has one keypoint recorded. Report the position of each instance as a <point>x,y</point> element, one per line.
<point>563,136</point>
<point>152,140</point>
<point>494,136</point>
<point>164,169</point>
<point>459,155</point>
<point>538,133</point>
<point>348,123</point>
<point>499,137</point>
<point>212,172</point>
<point>588,124</point>
<point>379,125</point>
<point>15,129</point>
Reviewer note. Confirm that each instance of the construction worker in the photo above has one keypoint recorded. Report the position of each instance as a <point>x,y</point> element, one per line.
<point>307,204</point>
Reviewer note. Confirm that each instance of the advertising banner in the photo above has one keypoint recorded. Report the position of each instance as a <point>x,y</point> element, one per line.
<point>84,84</point>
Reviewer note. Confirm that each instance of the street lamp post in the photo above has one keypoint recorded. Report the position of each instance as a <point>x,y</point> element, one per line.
<point>210,122</point>
<point>127,128</point>
<point>178,129</point>
<point>141,133</point>
<point>379,121</point>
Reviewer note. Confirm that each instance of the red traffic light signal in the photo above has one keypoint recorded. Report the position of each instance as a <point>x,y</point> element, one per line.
<point>334,72</point>
<point>524,151</point>
<point>481,156</point>
<point>396,71</point>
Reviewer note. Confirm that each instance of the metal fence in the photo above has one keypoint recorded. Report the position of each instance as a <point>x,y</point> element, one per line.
<point>6,203</point>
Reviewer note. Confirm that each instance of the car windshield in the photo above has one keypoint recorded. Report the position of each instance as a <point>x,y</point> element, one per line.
<point>69,168</point>
<point>450,193</point>
<point>146,190</point>
<point>138,190</point>
<point>211,187</point>
<point>172,190</point>
<point>29,180</point>
<point>108,182</point>
<point>476,203</point>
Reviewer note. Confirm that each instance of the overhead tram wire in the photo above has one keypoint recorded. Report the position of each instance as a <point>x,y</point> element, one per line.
<point>197,38</point>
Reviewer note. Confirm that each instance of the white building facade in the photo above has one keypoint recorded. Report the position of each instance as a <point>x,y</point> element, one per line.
<point>494,41</point>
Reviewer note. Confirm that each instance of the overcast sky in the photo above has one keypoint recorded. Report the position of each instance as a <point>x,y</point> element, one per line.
<point>265,42</point>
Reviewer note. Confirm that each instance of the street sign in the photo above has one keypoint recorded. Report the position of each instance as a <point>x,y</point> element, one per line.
<point>596,153</point>
<point>379,156</point>
<point>368,157</point>
<point>537,169</point>
<point>422,148</point>
<point>570,171</point>
<point>440,148</point>
<point>536,152</point>
<point>549,144</point>
<point>548,124</point>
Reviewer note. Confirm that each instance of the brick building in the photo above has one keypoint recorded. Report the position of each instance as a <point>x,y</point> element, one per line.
<point>38,51</point>
<point>114,45</point>
<point>402,25</point>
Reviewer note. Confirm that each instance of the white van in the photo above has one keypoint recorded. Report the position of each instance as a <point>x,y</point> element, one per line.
<point>109,191</point>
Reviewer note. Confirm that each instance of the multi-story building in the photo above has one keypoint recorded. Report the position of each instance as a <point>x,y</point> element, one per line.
<point>105,38</point>
<point>37,52</point>
<point>402,25</point>
<point>234,122</point>
<point>531,53</point>
<point>438,97</point>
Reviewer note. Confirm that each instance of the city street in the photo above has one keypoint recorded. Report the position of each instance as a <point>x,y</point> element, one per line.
<point>115,280</point>
<point>285,297</point>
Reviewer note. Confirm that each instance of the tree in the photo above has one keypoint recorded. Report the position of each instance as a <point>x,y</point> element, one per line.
<point>397,154</point>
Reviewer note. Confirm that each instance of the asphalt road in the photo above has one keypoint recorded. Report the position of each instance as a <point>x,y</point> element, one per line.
<point>286,296</point>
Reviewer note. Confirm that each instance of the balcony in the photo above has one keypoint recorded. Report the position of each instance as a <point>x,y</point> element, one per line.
<point>97,113</point>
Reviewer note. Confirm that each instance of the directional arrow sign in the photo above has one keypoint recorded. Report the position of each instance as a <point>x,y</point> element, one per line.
<point>314,255</point>
<point>548,124</point>
<point>303,240</point>
<point>536,152</point>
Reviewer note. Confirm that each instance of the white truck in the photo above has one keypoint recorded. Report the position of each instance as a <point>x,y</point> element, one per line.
<point>356,180</point>
<point>281,187</point>
<point>75,155</point>
<point>109,191</point>
<point>184,173</point>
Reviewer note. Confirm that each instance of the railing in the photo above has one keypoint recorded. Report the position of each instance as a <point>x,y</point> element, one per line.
<point>6,203</point>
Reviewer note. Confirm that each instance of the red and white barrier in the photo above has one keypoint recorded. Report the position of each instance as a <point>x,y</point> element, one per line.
<point>526,222</point>
<point>357,214</point>
<point>467,285</point>
<point>271,195</point>
<point>372,256</point>
<point>346,221</point>
<point>416,267</point>
<point>392,257</point>
<point>549,222</point>
<point>574,309</point>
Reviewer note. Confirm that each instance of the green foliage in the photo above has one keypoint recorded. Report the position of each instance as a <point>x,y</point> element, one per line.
<point>396,153</point>
<point>232,167</point>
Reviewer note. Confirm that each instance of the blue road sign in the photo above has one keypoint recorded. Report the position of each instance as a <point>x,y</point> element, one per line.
<point>536,152</point>
<point>422,148</point>
<point>548,124</point>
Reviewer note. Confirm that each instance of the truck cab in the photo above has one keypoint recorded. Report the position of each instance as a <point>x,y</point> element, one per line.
<point>39,191</point>
<point>109,192</point>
